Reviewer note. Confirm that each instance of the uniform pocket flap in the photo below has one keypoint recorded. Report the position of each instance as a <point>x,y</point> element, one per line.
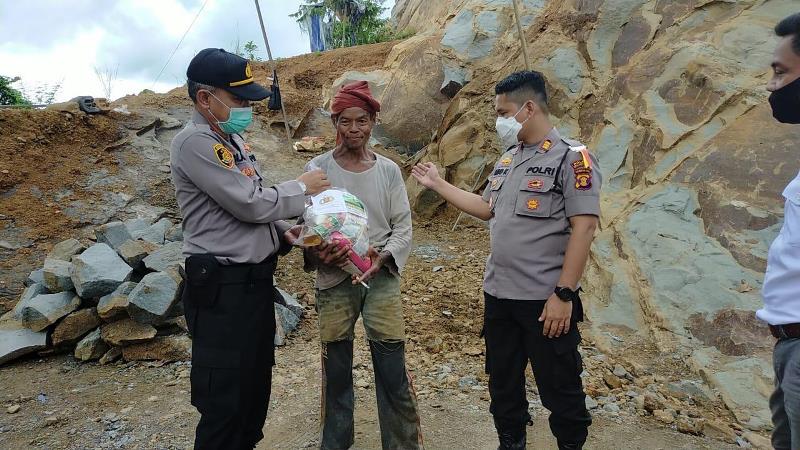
<point>533,204</point>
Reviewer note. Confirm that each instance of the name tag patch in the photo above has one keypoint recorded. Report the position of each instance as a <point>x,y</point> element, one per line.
<point>549,171</point>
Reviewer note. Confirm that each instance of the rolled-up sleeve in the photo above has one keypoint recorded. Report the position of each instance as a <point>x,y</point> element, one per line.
<point>241,196</point>
<point>581,186</point>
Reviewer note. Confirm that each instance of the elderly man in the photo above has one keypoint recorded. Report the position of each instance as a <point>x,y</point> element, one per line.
<point>378,182</point>
<point>782,282</point>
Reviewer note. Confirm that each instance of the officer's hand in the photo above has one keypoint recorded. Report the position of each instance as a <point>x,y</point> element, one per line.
<point>332,254</point>
<point>556,317</point>
<point>377,262</point>
<point>426,174</point>
<point>292,234</point>
<point>316,181</point>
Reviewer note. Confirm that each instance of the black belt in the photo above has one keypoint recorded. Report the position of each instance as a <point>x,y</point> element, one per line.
<point>200,268</point>
<point>787,331</point>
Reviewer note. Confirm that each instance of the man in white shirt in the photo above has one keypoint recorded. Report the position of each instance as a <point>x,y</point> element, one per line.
<point>782,282</point>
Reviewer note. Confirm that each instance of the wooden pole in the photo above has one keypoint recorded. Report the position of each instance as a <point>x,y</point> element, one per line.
<point>274,70</point>
<point>521,35</point>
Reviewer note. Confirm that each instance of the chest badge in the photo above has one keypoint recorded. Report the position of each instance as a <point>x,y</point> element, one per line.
<point>249,171</point>
<point>533,204</point>
<point>535,184</point>
<point>224,156</point>
<point>495,182</point>
<point>505,162</point>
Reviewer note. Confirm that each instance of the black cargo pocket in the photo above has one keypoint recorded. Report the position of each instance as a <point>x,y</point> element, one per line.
<point>200,379</point>
<point>202,281</point>
<point>567,364</point>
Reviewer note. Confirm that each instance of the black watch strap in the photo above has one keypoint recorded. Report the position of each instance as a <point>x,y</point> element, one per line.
<point>566,294</point>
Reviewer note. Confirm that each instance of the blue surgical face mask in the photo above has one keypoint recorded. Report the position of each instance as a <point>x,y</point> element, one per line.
<point>238,118</point>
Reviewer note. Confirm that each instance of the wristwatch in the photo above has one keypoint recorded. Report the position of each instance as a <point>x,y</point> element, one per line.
<point>303,187</point>
<point>566,294</point>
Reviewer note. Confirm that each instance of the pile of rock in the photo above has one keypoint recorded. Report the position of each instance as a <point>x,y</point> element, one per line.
<point>685,405</point>
<point>114,295</point>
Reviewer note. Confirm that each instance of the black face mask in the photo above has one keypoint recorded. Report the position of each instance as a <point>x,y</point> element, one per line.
<point>786,103</point>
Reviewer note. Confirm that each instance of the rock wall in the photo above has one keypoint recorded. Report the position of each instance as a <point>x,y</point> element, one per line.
<point>670,95</point>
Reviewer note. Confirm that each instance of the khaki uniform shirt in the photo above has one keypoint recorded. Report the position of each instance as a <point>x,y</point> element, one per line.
<point>227,212</point>
<point>533,191</point>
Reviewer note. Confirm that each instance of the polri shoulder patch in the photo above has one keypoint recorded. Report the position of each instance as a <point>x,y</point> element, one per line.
<point>224,156</point>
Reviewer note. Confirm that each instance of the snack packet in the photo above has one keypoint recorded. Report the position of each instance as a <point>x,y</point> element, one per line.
<point>336,216</point>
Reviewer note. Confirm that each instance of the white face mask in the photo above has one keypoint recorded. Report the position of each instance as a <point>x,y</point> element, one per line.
<point>508,129</point>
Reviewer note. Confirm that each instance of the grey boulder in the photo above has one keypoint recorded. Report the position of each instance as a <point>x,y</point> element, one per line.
<point>115,304</point>
<point>65,250</point>
<point>152,300</point>
<point>170,255</point>
<point>16,341</point>
<point>155,233</point>
<point>98,271</point>
<point>285,322</point>
<point>113,233</point>
<point>56,274</point>
<point>290,301</point>
<point>91,347</point>
<point>44,310</point>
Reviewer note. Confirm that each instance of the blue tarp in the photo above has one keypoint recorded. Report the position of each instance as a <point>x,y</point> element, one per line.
<point>317,36</point>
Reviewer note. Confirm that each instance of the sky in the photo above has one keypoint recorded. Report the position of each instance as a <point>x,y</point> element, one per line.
<point>49,42</point>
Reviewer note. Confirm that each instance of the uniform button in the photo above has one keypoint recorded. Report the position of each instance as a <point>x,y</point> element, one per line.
<point>203,270</point>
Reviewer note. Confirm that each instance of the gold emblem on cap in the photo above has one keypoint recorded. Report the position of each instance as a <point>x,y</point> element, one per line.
<point>248,73</point>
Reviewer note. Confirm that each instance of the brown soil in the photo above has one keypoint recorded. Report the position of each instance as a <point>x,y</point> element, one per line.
<point>303,78</point>
<point>50,153</point>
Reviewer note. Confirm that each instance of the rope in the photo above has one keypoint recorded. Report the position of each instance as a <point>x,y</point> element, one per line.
<point>179,43</point>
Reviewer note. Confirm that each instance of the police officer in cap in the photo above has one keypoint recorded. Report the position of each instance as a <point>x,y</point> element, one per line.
<point>233,229</point>
<point>542,204</point>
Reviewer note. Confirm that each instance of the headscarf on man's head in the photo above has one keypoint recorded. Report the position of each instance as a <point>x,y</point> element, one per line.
<point>355,95</point>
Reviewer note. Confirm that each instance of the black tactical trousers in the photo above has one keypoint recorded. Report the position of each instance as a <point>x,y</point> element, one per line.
<point>513,337</point>
<point>229,311</point>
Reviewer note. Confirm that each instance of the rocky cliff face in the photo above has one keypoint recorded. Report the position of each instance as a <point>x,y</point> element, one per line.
<point>670,95</point>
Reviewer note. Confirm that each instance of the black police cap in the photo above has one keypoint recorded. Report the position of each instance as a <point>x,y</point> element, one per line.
<point>228,71</point>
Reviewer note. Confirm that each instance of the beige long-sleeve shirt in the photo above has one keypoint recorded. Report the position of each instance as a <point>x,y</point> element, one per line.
<point>383,192</point>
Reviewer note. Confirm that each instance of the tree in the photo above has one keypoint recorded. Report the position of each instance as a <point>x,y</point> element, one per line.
<point>107,77</point>
<point>9,95</point>
<point>351,22</point>
<point>250,49</point>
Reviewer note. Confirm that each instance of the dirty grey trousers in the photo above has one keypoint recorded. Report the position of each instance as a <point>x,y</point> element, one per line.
<point>382,312</point>
<point>785,401</point>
